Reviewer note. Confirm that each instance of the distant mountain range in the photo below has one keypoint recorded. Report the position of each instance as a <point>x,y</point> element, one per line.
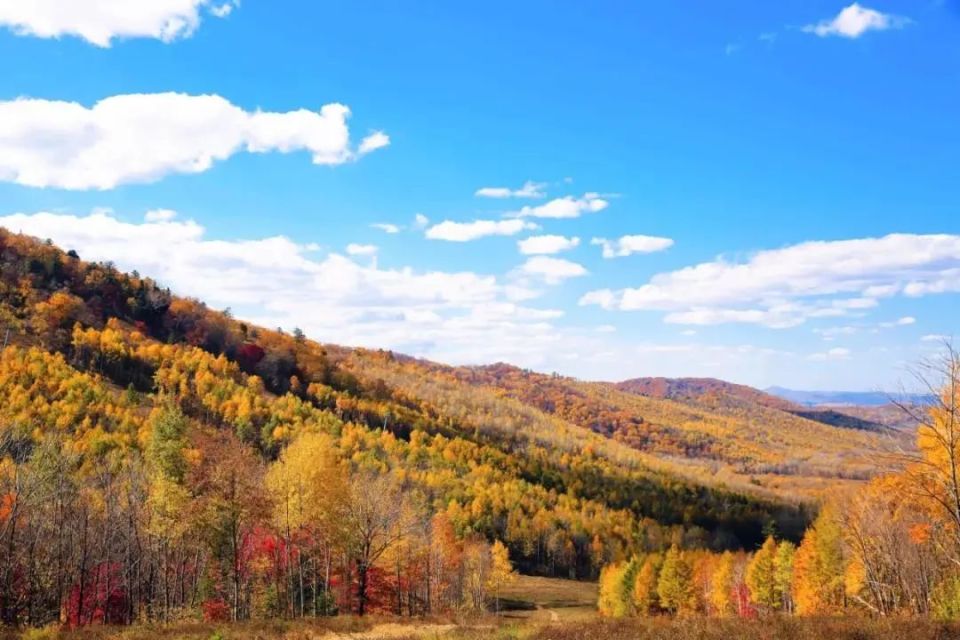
<point>729,397</point>
<point>846,398</point>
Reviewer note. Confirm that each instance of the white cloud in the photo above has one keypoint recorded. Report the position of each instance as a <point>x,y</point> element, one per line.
<point>854,21</point>
<point>99,22</point>
<point>830,333</point>
<point>785,287</point>
<point>160,215</point>
<point>223,10</point>
<point>374,141</point>
<point>355,249</point>
<point>140,138</point>
<point>466,231</point>
<point>775,318</point>
<point>628,245</point>
<point>837,353</point>
<point>535,245</point>
<point>566,207</point>
<point>386,227</point>
<point>420,221</point>
<point>901,322</point>
<point>606,328</point>
<point>551,270</point>
<point>934,337</point>
<point>528,190</point>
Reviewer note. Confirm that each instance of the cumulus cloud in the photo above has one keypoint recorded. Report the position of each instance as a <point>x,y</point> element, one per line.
<point>628,245</point>
<point>566,207</point>
<point>830,333</point>
<point>355,249</point>
<point>528,190</point>
<point>837,353</point>
<point>854,21</point>
<point>160,215</point>
<point>140,138</point>
<point>99,22</point>
<point>420,221</point>
<point>538,245</point>
<point>225,9</point>
<point>374,141</point>
<point>900,322</point>
<point>467,231</point>
<point>386,227</point>
<point>551,270</point>
<point>785,287</point>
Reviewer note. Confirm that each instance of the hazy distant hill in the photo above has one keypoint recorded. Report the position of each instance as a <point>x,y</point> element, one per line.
<point>728,397</point>
<point>699,388</point>
<point>841,398</point>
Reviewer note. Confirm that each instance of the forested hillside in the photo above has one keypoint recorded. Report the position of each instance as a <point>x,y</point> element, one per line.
<point>889,547</point>
<point>712,431</point>
<point>721,395</point>
<point>162,457</point>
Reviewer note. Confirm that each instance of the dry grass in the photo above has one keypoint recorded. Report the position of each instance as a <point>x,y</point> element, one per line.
<point>767,629</point>
<point>536,599</point>
<point>349,628</point>
<point>339,628</point>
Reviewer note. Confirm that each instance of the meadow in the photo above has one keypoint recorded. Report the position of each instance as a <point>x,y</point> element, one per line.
<point>533,608</point>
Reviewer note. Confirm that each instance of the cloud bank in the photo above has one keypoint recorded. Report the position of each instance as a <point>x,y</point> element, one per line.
<point>785,287</point>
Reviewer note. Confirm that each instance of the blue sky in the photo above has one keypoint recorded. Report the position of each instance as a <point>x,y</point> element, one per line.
<point>757,156</point>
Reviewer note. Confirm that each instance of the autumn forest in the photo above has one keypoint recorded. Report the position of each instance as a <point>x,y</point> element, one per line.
<point>162,461</point>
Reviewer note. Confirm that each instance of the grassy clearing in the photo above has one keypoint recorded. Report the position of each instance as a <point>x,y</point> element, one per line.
<point>779,628</point>
<point>348,628</point>
<point>536,599</point>
<point>534,609</point>
<point>339,628</point>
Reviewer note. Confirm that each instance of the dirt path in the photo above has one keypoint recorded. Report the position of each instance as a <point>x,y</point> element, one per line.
<point>554,616</point>
<point>392,630</point>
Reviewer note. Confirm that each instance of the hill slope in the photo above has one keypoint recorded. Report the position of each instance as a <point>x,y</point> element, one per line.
<point>563,494</point>
<point>525,457</point>
<point>702,389</point>
<point>714,437</point>
<point>726,396</point>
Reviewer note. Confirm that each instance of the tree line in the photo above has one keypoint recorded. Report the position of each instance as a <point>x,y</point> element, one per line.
<point>200,525</point>
<point>890,547</point>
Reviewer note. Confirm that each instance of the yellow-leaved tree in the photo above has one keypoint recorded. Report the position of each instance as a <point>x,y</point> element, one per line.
<point>501,571</point>
<point>761,576</point>
<point>819,567</point>
<point>675,586</point>
<point>645,597</point>
<point>309,493</point>
<point>721,586</point>
<point>609,603</point>
<point>783,574</point>
<point>933,474</point>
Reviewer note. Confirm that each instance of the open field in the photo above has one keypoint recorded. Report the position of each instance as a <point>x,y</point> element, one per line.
<point>533,608</point>
<point>536,599</point>
<point>696,628</point>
